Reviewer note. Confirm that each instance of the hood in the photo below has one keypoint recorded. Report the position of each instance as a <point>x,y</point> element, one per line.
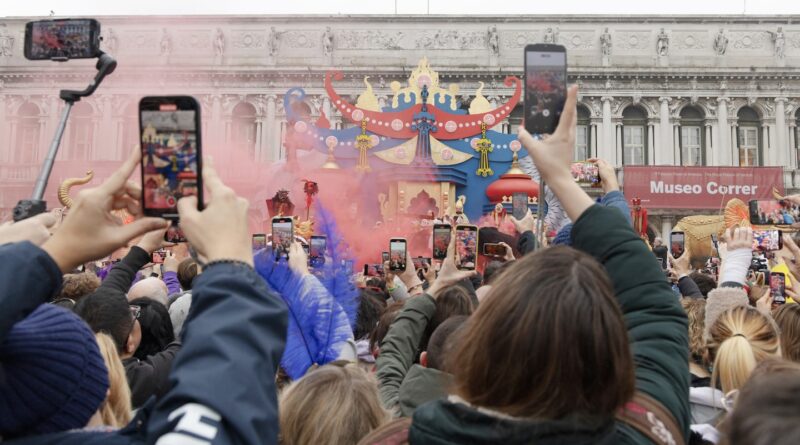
<point>420,386</point>
<point>706,396</point>
<point>444,422</point>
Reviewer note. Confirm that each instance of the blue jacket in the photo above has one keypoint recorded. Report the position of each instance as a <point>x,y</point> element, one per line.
<point>223,379</point>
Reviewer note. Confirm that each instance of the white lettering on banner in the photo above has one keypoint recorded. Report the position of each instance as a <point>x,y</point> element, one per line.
<point>712,188</point>
<point>198,420</point>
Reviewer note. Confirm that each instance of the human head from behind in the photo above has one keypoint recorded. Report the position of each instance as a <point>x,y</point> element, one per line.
<point>705,282</point>
<point>156,327</point>
<point>382,328</point>
<point>112,315</point>
<point>116,408</point>
<point>450,301</point>
<point>441,343</point>
<point>520,334</point>
<point>696,312</point>
<point>53,376</point>
<point>150,287</point>
<point>187,270</point>
<point>739,339</point>
<point>77,285</point>
<point>330,405</point>
<point>788,319</point>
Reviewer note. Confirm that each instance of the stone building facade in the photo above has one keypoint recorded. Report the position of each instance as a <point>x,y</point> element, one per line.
<point>658,90</point>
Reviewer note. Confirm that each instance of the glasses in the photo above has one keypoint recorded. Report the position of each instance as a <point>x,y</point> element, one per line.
<point>136,311</point>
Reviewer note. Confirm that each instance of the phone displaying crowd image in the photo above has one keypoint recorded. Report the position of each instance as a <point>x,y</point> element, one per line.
<point>171,166</point>
<point>466,246</point>
<point>677,244</point>
<point>545,87</point>
<point>282,236</point>
<point>441,240</point>
<point>397,254</point>
<point>491,249</point>
<point>777,287</point>
<point>767,212</point>
<point>384,257</point>
<point>158,256</point>
<point>519,205</point>
<point>316,253</point>
<point>62,39</point>
<point>259,242</point>
<point>586,173</point>
<point>767,240</point>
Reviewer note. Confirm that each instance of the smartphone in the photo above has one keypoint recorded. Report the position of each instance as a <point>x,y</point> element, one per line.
<point>384,257</point>
<point>172,167</point>
<point>398,251</point>
<point>158,256</point>
<point>441,240</point>
<point>317,249</point>
<point>62,39</point>
<point>767,240</point>
<point>777,287</point>
<point>677,243</point>
<point>545,87</point>
<point>466,246</point>
<point>492,249</point>
<point>766,212</point>
<point>373,270</point>
<point>519,205</point>
<point>259,241</point>
<point>282,236</point>
<point>586,173</point>
<point>421,262</point>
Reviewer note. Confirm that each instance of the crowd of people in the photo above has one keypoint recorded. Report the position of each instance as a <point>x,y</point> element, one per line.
<point>586,340</point>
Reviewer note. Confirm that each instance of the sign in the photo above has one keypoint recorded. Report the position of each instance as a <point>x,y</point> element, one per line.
<point>669,187</point>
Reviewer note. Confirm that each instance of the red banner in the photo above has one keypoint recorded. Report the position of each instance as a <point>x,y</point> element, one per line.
<point>666,187</point>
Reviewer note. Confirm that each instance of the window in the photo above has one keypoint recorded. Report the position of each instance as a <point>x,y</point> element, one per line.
<point>634,136</point>
<point>81,132</point>
<point>749,142</point>
<point>27,144</point>
<point>691,137</point>
<point>243,128</point>
<point>583,135</point>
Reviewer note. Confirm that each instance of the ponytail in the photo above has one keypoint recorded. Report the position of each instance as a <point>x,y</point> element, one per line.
<point>734,362</point>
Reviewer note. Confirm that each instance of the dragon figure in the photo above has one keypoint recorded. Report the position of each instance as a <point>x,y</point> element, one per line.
<point>67,202</point>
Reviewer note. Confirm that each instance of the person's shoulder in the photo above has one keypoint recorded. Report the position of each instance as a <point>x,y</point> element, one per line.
<point>77,438</point>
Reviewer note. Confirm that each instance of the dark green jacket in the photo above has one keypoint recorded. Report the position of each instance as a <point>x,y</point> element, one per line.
<point>657,327</point>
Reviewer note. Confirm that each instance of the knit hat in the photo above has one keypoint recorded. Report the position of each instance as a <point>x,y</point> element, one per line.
<point>52,376</point>
<point>563,237</point>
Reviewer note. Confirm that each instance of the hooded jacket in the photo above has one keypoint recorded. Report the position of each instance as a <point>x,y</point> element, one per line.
<point>420,386</point>
<point>658,332</point>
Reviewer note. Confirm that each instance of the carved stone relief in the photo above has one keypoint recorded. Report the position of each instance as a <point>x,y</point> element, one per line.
<point>749,40</point>
<point>249,39</point>
<point>141,42</point>
<point>518,39</point>
<point>633,40</point>
<point>690,40</point>
<point>301,39</point>
<point>371,39</point>
<point>451,40</point>
<point>193,39</point>
<point>578,40</point>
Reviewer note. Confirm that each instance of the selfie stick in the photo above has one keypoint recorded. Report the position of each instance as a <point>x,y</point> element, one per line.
<point>36,205</point>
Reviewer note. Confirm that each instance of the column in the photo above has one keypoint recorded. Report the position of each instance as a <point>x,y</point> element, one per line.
<point>618,144</point>
<point>268,145</point>
<point>259,154</point>
<point>107,132</point>
<point>651,142</point>
<point>592,138</point>
<point>767,156</point>
<point>707,149</point>
<point>216,119</point>
<point>665,153</point>
<point>792,148</point>
<point>734,149</point>
<point>607,147</point>
<point>723,153</point>
<point>5,133</point>
<point>666,229</point>
<point>676,144</point>
<point>782,148</point>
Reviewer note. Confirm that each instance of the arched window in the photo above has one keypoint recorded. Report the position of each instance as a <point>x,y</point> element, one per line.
<point>748,138</point>
<point>27,144</point>
<point>583,135</point>
<point>634,136</point>
<point>81,132</point>
<point>692,138</point>
<point>243,127</point>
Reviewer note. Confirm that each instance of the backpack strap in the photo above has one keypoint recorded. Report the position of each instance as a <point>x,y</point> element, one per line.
<point>649,417</point>
<point>392,433</point>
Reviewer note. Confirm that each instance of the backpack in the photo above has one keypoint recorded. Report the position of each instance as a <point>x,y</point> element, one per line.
<point>649,417</point>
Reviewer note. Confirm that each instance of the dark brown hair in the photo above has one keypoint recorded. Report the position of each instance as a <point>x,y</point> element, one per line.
<point>788,320</point>
<point>78,285</point>
<point>450,301</point>
<point>382,328</point>
<point>444,338</point>
<point>548,341</point>
<point>187,270</point>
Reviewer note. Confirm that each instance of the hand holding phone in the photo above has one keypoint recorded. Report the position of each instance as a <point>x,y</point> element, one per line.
<point>441,239</point>
<point>769,212</point>
<point>398,252</point>
<point>545,87</point>
<point>777,287</point>
<point>466,246</point>
<point>317,250</point>
<point>282,236</point>
<point>767,240</point>
<point>677,244</point>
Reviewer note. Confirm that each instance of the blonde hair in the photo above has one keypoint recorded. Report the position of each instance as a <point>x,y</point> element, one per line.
<point>116,408</point>
<point>739,340</point>
<point>788,320</point>
<point>330,405</point>
<point>695,309</point>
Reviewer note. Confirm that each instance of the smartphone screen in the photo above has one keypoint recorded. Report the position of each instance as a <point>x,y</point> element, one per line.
<point>62,39</point>
<point>491,249</point>
<point>586,173</point>
<point>777,287</point>
<point>466,246</point>
<point>441,240</point>
<point>767,240</point>
<point>259,242</point>
<point>519,204</point>
<point>282,236</point>
<point>158,256</point>
<point>171,154</point>
<point>384,257</point>
<point>397,254</point>
<point>677,244</point>
<point>316,252</point>
<point>767,212</point>
<point>545,87</point>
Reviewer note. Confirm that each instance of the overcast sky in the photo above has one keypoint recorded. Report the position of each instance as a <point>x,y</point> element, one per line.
<point>472,7</point>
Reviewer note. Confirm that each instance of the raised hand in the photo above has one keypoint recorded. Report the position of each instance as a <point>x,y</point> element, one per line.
<point>298,261</point>
<point>35,229</point>
<point>526,224</point>
<point>450,273</point>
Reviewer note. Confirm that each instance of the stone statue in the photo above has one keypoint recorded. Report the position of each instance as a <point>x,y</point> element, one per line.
<point>551,36</point>
<point>166,43</point>
<point>493,40</point>
<point>327,41</point>
<point>662,45</point>
<point>605,43</point>
<point>720,43</point>
<point>272,41</point>
<point>219,43</point>
<point>780,43</point>
<point>6,45</point>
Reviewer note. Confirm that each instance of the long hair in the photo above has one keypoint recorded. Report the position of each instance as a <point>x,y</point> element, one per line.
<point>739,339</point>
<point>116,409</point>
<point>548,341</point>
<point>696,313</point>
<point>788,320</point>
<point>157,330</point>
<point>330,405</point>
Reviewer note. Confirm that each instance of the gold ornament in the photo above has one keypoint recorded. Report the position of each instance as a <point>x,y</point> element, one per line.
<point>363,143</point>
<point>484,147</point>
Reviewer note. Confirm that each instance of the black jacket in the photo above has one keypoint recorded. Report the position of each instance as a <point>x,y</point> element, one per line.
<point>150,377</point>
<point>223,380</point>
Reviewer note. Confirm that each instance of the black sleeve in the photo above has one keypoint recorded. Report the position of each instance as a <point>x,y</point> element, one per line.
<point>526,243</point>
<point>689,288</point>
<point>151,376</point>
<point>120,277</point>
